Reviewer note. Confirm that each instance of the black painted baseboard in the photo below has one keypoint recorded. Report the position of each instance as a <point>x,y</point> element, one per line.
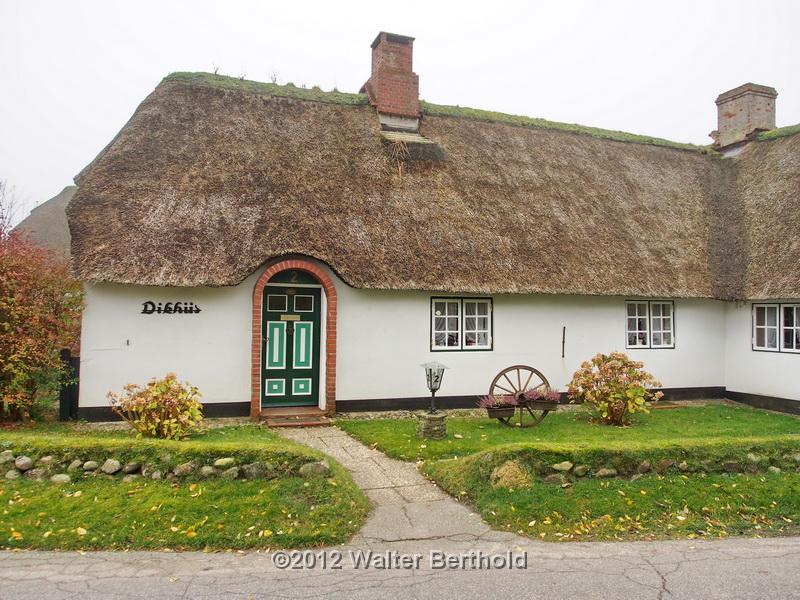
<point>405,403</point>
<point>767,402</point>
<point>695,393</point>
<point>378,404</point>
<point>242,409</point>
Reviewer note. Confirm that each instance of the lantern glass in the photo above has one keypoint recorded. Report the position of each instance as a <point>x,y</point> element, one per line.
<point>434,372</point>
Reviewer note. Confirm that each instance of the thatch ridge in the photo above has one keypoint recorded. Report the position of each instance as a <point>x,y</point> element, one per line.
<point>316,94</point>
<point>443,110</point>
<point>288,90</point>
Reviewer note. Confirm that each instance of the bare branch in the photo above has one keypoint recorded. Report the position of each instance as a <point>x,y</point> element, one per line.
<point>8,208</point>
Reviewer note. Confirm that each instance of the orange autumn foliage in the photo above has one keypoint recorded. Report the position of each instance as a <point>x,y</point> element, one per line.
<point>40,309</point>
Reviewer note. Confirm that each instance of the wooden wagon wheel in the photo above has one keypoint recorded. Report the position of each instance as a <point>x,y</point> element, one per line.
<point>515,381</point>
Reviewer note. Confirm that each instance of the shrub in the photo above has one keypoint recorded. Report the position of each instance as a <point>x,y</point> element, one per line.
<point>614,386</point>
<point>40,308</point>
<point>164,408</point>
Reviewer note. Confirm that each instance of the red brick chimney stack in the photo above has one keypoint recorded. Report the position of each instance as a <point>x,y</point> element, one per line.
<point>393,87</point>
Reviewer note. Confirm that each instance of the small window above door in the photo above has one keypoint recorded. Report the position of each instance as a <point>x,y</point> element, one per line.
<point>303,303</point>
<point>276,303</point>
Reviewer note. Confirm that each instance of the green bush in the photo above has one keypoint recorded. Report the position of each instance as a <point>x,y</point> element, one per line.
<point>164,408</point>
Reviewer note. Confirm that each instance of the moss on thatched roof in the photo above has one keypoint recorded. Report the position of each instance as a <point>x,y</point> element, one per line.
<point>436,110</point>
<point>288,90</point>
<point>774,134</point>
<point>207,182</point>
<point>522,121</point>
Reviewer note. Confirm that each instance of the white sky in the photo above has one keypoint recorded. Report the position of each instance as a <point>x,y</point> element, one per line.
<point>72,73</point>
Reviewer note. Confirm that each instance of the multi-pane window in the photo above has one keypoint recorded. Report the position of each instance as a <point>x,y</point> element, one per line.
<point>649,324</point>
<point>638,325</point>
<point>661,324</point>
<point>765,327</point>
<point>791,327</point>
<point>476,323</point>
<point>461,324</point>
<point>776,327</point>
<point>447,324</point>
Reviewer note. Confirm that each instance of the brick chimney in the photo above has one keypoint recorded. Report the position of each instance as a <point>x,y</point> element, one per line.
<point>393,87</point>
<point>743,111</point>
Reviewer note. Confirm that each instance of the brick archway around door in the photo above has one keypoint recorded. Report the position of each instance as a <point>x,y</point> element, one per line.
<point>295,264</point>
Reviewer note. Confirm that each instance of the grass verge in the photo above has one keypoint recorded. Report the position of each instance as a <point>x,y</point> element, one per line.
<point>653,507</point>
<point>94,513</point>
<point>701,501</point>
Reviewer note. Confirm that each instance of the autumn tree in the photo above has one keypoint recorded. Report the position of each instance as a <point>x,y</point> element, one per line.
<point>40,306</point>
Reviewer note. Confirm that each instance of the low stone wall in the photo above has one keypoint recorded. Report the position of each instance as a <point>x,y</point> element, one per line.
<point>68,466</point>
<point>521,471</point>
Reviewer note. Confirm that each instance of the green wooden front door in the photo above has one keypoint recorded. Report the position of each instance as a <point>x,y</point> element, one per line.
<point>290,346</point>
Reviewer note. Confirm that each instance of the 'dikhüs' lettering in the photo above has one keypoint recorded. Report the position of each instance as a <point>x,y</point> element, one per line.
<point>169,308</point>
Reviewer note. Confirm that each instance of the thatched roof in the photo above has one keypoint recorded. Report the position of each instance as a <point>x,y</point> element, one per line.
<point>46,225</point>
<point>212,177</point>
<point>768,186</point>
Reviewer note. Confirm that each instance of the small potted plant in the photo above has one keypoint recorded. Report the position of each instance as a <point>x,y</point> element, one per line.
<point>541,398</point>
<point>498,406</point>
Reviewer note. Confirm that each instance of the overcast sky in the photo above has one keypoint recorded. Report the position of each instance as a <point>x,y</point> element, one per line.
<point>73,72</point>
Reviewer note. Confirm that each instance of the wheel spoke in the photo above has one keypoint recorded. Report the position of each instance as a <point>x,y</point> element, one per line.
<point>530,376</point>
<point>511,383</point>
<point>497,385</point>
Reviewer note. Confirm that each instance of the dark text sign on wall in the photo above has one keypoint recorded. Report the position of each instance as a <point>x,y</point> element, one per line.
<point>169,308</point>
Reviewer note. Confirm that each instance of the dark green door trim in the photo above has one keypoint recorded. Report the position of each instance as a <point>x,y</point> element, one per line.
<point>290,354</point>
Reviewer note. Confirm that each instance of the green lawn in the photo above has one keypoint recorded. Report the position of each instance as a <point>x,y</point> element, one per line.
<point>98,513</point>
<point>569,430</point>
<point>653,507</point>
<point>101,514</point>
<point>704,501</point>
<point>55,430</point>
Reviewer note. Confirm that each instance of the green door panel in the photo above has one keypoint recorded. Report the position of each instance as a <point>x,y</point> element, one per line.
<point>303,345</point>
<point>290,363</point>
<point>276,345</point>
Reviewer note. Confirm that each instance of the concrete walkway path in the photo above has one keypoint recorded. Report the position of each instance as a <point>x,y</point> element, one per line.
<point>407,506</point>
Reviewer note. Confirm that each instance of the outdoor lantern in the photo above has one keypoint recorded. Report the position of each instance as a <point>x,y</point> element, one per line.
<point>434,372</point>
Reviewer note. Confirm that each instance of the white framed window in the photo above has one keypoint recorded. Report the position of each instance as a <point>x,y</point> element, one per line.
<point>461,324</point>
<point>649,324</point>
<point>766,327</point>
<point>776,327</point>
<point>661,325</point>
<point>446,324</point>
<point>790,335</point>
<point>477,326</point>
<point>638,328</point>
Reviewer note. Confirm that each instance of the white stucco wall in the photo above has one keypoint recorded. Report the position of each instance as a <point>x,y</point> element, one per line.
<point>383,337</point>
<point>211,349</point>
<point>764,373</point>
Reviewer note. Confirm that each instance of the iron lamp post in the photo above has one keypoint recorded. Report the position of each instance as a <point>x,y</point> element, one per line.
<point>434,371</point>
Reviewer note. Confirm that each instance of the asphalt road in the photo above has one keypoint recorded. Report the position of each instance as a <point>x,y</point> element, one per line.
<point>724,569</point>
